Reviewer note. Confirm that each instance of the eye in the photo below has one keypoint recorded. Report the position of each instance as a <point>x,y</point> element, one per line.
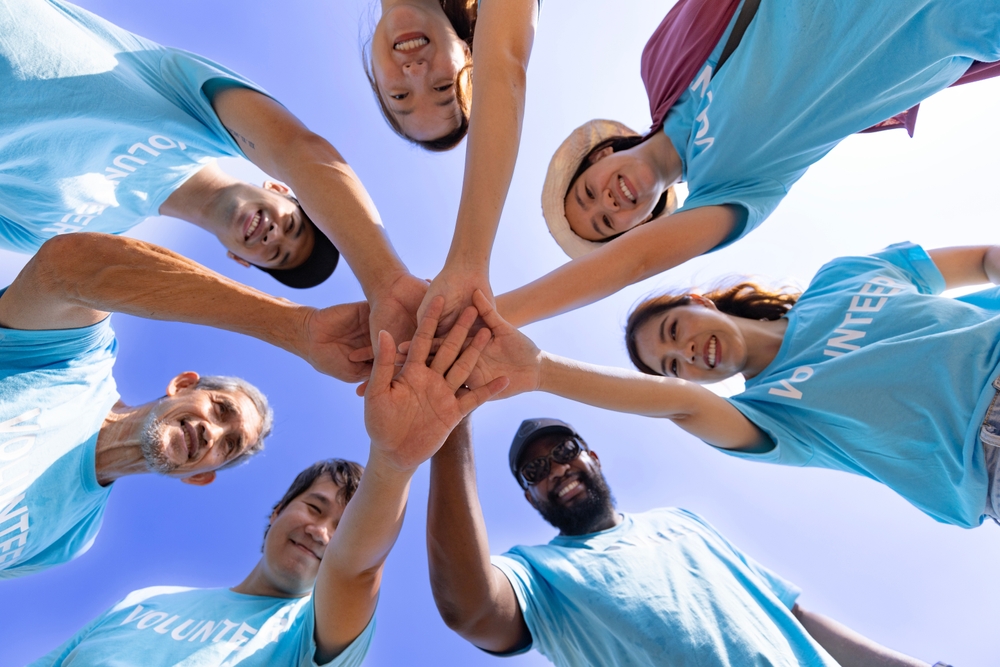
<point>313,508</point>
<point>673,368</point>
<point>443,88</point>
<point>607,222</point>
<point>274,257</point>
<point>673,331</point>
<point>587,189</point>
<point>221,408</point>
<point>231,445</point>
<point>400,96</point>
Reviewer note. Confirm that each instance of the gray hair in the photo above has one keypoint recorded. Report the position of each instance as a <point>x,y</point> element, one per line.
<point>259,400</point>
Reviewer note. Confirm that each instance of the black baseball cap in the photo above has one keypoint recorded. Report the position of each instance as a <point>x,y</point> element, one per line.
<point>531,429</point>
<point>318,266</point>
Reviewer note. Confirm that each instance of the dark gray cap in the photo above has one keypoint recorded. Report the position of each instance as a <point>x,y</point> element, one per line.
<point>531,429</point>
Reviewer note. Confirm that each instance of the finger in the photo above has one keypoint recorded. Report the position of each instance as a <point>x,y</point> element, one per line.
<point>476,397</point>
<point>404,347</point>
<point>383,367</point>
<point>360,389</point>
<point>420,346</point>
<point>463,367</point>
<point>453,342</point>
<point>486,310</point>
<point>362,354</point>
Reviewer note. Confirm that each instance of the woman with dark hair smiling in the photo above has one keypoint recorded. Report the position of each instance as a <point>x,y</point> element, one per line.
<point>868,371</point>
<point>422,55</point>
<point>744,95</point>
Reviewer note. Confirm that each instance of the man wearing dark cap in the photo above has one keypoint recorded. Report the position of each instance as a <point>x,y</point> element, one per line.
<point>101,128</point>
<point>658,587</point>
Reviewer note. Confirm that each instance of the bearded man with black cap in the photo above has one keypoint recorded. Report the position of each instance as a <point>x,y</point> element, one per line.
<point>612,588</point>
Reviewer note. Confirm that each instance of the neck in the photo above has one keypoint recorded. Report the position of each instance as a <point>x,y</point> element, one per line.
<point>196,200</point>
<point>659,152</point>
<point>119,443</point>
<point>763,339</point>
<point>259,583</point>
<point>606,521</point>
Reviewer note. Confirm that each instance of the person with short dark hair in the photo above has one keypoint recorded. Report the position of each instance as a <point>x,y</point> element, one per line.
<point>310,600</point>
<point>612,588</point>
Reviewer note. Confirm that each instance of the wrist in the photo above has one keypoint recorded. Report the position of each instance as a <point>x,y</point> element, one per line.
<point>389,467</point>
<point>545,367</point>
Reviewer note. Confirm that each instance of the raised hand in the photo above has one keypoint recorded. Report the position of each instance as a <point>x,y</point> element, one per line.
<point>332,335</point>
<point>510,354</point>
<point>409,416</point>
<point>395,310</point>
<point>456,287</point>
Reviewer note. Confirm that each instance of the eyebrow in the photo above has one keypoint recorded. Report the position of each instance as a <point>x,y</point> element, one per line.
<point>663,330</point>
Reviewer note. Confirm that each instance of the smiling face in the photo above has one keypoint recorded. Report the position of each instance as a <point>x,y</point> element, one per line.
<point>574,497</point>
<point>416,61</point>
<point>262,226</point>
<point>191,432</point>
<point>298,535</point>
<point>694,342</point>
<point>617,192</point>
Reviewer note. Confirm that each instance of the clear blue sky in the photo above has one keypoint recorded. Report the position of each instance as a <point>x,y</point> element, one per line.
<point>860,554</point>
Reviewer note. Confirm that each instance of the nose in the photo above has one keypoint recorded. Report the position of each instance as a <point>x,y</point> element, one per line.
<point>319,532</point>
<point>557,470</point>
<point>609,200</point>
<point>415,69</point>
<point>273,233</point>
<point>211,433</point>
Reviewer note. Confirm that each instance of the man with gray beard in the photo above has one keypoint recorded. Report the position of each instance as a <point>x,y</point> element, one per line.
<point>65,434</point>
<point>613,589</point>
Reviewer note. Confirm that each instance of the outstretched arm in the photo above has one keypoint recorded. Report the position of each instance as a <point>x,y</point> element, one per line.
<point>408,418</point>
<point>504,35</point>
<point>329,191</point>
<point>692,407</point>
<point>847,646</point>
<point>968,265</point>
<point>475,599</point>
<point>641,253</point>
<point>77,279</point>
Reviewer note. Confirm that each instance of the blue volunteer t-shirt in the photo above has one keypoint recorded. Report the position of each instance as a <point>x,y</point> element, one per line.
<point>97,126</point>
<point>55,391</point>
<point>202,627</point>
<point>662,587</point>
<point>879,377</point>
<point>805,76</point>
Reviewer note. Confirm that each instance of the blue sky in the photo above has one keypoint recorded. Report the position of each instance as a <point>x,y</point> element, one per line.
<point>860,554</point>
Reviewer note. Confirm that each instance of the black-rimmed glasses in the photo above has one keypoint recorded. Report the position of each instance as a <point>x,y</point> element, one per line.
<point>535,470</point>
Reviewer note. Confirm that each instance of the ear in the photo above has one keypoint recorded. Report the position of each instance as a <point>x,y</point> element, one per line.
<point>239,260</point>
<point>274,186</point>
<point>601,154</point>
<point>182,381</point>
<point>531,501</point>
<point>200,479</point>
<point>593,455</point>
<point>702,301</point>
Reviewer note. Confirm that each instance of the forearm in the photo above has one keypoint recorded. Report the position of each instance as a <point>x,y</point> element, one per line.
<point>463,581</point>
<point>100,272</point>
<point>848,647</point>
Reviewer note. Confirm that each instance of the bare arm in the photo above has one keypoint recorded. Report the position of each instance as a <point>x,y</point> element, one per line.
<point>641,253</point>
<point>475,599</point>
<point>77,279</point>
<point>504,35</point>
<point>968,265</point>
<point>408,418</point>
<point>848,647</point>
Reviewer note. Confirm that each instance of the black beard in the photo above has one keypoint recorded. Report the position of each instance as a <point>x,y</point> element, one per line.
<point>587,514</point>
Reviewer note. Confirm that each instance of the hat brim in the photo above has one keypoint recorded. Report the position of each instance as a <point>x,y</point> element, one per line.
<point>563,166</point>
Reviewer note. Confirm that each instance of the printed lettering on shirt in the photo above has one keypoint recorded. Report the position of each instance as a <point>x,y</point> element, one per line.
<point>701,82</point>
<point>16,440</point>
<point>122,166</point>
<point>200,631</point>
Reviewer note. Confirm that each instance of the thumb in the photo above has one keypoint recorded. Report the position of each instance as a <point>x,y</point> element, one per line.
<point>476,397</point>
<point>486,311</point>
<point>384,366</point>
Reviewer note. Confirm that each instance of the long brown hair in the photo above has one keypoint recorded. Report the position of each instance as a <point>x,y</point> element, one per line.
<point>745,299</point>
<point>462,14</point>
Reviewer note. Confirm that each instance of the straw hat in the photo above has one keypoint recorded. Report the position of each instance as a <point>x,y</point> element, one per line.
<point>564,164</point>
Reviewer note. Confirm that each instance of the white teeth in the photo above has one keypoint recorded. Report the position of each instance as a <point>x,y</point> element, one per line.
<point>711,352</point>
<point>253,224</point>
<point>569,487</point>
<point>625,191</point>
<point>411,44</point>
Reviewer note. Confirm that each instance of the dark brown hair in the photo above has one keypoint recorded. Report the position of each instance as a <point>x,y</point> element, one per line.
<point>619,143</point>
<point>462,14</point>
<point>745,299</point>
<point>345,474</point>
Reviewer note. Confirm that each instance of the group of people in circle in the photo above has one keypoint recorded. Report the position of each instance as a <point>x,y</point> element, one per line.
<point>744,96</point>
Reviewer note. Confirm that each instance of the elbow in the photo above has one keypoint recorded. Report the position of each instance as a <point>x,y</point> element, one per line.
<point>64,262</point>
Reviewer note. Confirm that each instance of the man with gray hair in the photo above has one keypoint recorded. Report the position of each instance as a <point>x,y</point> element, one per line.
<point>65,434</point>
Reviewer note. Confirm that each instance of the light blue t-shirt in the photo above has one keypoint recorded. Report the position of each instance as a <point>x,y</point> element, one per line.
<point>55,391</point>
<point>806,75</point>
<point>879,377</point>
<point>202,627</point>
<point>97,126</point>
<point>662,587</point>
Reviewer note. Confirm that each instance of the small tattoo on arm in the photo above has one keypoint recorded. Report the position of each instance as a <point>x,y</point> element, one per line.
<point>240,138</point>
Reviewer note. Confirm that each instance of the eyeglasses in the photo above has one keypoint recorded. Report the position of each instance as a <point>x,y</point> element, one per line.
<point>536,470</point>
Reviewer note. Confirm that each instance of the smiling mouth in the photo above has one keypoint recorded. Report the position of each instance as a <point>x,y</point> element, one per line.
<point>252,225</point>
<point>306,549</point>
<point>711,352</point>
<point>411,44</point>
<point>625,190</point>
<point>190,439</point>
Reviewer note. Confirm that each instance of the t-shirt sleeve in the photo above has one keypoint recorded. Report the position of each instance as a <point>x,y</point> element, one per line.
<point>33,349</point>
<point>754,202</point>
<point>352,656</point>
<point>523,582</point>
<point>914,262</point>
<point>783,589</point>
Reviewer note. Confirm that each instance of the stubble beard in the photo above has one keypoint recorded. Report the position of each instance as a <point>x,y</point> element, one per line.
<point>151,442</point>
